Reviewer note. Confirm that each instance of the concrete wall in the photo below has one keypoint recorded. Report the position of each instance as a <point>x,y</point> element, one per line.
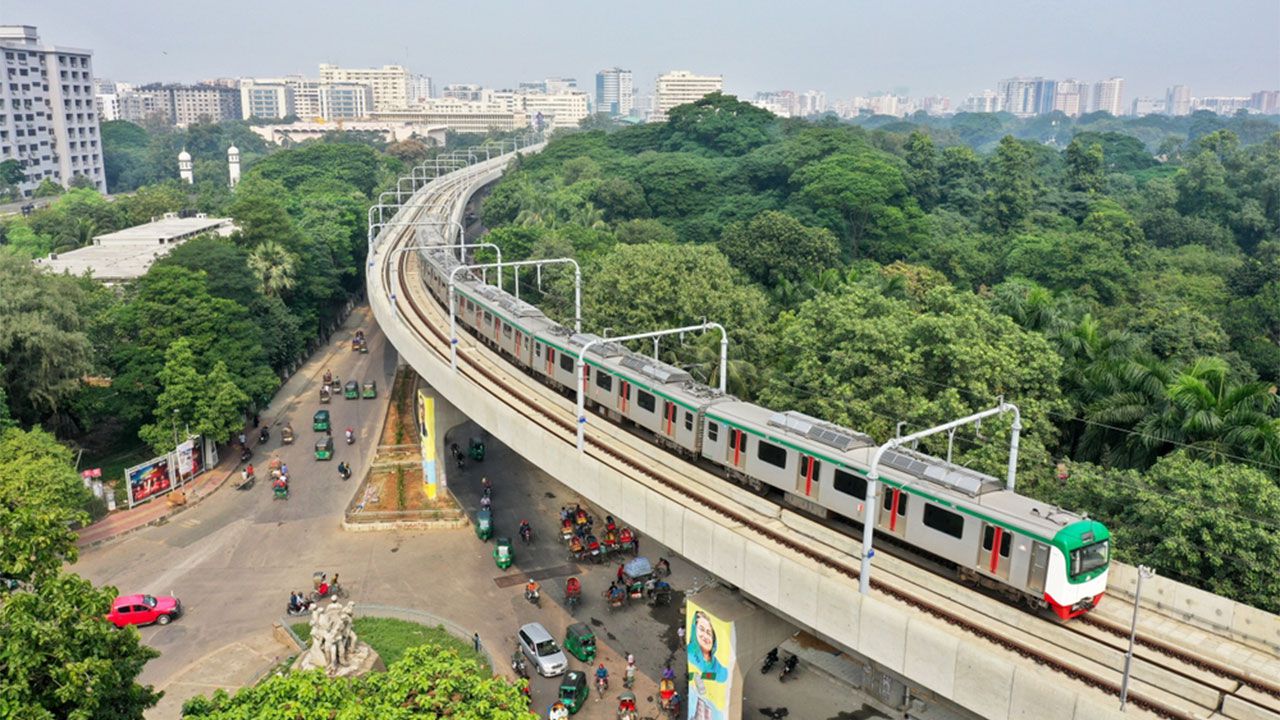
<point>973,673</point>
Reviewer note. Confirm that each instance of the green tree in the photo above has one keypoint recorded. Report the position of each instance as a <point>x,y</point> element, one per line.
<point>44,350</point>
<point>922,175</point>
<point>47,188</point>
<point>41,498</point>
<point>1078,261</point>
<point>1013,190</point>
<point>775,245</point>
<point>274,268</point>
<point>868,196</point>
<point>206,403</point>
<point>64,660</point>
<point>642,231</point>
<point>428,681</point>
<point>1084,167</point>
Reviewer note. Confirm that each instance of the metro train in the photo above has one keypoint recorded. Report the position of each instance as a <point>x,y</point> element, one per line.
<point>1042,555</point>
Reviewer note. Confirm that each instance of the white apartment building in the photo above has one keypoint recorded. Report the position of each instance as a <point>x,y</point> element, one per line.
<point>1108,96</point>
<point>48,110</point>
<point>1071,97</point>
<point>559,110</point>
<point>1177,100</point>
<point>346,100</point>
<point>988,101</point>
<point>390,84</point>
<point>680,87</point>
<point>108,105</point>
<point>460,116</point>
<point>1147,106</point>
<point>420,89</point>
<point>614,92</point>
<point>266,99</point>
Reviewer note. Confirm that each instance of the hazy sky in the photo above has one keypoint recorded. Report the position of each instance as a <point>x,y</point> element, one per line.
<point>845,47</point>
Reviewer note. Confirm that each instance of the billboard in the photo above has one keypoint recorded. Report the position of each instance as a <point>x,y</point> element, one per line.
<point>426,429</point>
<point>149,479</point>
<point>190,460</point>
<point>710,663</point>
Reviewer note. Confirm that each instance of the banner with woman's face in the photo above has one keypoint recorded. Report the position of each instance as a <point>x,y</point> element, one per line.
<point>710,657</point>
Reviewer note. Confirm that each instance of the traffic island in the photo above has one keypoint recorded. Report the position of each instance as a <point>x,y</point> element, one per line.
<point>392,494</point>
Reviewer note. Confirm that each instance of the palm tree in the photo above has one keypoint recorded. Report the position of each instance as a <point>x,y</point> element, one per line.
<point>79,235</point>
<point>1122,395</point>
<point>1219,419</point>
<point>274,266</point>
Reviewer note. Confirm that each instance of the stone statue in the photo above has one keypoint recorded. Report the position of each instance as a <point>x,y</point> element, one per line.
<point>334,645</point>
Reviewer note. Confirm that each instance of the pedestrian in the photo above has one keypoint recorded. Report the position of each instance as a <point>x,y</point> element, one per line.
<point>680,635</point>
<point>284,469</point>
<point>256,420</point>
<point>475,641</point>
<point>635,543</point>
<point>621,569</point>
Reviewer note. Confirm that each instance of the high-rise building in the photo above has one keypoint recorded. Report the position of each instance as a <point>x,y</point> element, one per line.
<point>680,87</point>
<point>180,105</point>
<point>782,103</point>
<point>420,89</point>
<point>1147,106</point>
<point>1222,104</point>
<point>1177,100</point>
<point>988,101</point>
<point>266,99</point>
<point>1108,96</point>
<point>48,111</point>
<point>1266,102</point>
<point>1071,97</point>
<point>306,97</point>
<point>346,100</point>
<point>811,102</point>
<point>1025,97</point>
<point>614,93</point>
<point>559,110</point>
<point>141,105</point>
<point>389,84</point>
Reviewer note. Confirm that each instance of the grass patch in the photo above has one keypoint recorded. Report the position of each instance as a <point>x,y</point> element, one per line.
<point>391,637</point>
<point>400,497</point>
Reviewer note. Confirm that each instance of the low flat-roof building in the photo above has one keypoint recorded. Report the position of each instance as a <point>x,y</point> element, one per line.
<point>391,131</point>
<point>127,254</point>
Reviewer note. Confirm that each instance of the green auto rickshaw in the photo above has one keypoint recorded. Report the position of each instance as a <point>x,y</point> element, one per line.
<point>324,448</point>
<point>503,555</point>
<point>370,389</point>
<point>484,525</point>
<point>320,422</point>
<point>580,642</point>
<point>573,690</point>
<point>352,390</point>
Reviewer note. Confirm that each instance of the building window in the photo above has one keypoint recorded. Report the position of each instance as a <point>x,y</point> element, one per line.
<point>772,454</point>
<point>944,521</point>
<point>850,484</point>
<point>645,400</point>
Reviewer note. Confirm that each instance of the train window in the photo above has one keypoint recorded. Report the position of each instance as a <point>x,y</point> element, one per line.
<point>944,521</point>
<point>850,484</point>
<point>487,317</point>
<point>1090,557</point>
<point>566,363</point>
<point>506,330</point>
<point>604,381</point>
<point>537,350</point>
<point>772,454</point>
<point>688,420</point>
<point>713,431</point>
<point>1006,540</point>
<point>645,400</point>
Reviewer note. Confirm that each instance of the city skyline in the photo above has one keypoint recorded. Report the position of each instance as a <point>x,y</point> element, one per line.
<point>762,47</point>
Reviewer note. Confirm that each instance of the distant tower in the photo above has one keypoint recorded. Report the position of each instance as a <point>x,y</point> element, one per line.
<point>233,164</point>
<point>184,167</point>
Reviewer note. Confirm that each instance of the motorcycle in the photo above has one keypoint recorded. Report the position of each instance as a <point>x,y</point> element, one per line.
<point>769,661</point>
<point>485,502</point>
<point>344,470</point>
<point>351,436</point>
<point>526,534</point>
<point>788,667</point>
<point>534,597</point>
<point>775,713</point>
<point>245,454</point>
<point>263,435</point>
<point>602,685</point>
<point>518,664</point>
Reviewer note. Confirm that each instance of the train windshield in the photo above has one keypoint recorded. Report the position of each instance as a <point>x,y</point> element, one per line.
<point>1090,557</point>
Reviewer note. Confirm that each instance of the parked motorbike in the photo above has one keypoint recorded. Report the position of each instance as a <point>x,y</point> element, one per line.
<point>775,713</point>
<point>518,664</point>
<point>245,453</point>
<point>769,661</point>
<point>788,667</point>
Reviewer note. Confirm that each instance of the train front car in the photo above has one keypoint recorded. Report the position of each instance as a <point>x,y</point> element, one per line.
<point>1077,576</point>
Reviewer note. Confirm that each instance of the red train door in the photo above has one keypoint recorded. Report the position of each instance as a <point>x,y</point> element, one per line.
<point>737,454</point>
<point>669,418</point>
<point>624,397</point>
<point>808,479</point>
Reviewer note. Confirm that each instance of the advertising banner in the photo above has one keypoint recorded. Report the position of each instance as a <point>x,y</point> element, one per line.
<point>184,454</point>
<point>711,657</point>
<point>427,431</point>
<point>149,479</point>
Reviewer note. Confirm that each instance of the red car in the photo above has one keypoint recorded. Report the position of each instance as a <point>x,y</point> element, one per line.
<point>144,610</point>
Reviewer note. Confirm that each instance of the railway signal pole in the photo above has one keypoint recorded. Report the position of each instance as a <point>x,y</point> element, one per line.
<point>1144,572</point>
<point>872,503</point>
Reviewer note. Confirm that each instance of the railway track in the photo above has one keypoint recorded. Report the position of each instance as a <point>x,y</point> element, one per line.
<point>1167,681</point>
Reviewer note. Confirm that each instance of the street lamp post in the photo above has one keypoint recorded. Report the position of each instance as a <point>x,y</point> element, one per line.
<point>1144,572</point>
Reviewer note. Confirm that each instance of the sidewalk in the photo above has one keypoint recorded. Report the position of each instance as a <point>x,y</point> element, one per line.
<point>229,668</point>
<point>123,522</point>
